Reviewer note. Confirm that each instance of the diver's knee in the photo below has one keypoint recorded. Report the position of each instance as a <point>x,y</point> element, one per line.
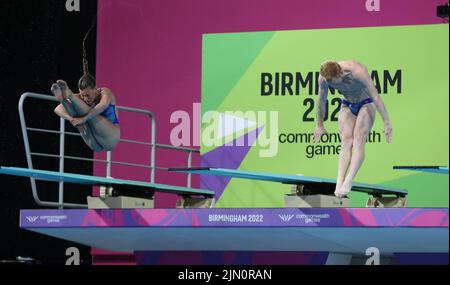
<point>347,141</point>
<point>359,139</point>
<point>97,148</point>
<point>111,145</point>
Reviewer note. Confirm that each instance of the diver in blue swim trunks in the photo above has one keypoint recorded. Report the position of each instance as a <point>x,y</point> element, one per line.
<point>93,111</point>
<point>356,117</point>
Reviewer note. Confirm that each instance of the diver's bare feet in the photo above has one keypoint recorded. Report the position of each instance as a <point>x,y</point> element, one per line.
<point>344,190</point>
<point>338,188</point>
<point>82,129</point>
<point>67,93</point>
<point>57,92</point>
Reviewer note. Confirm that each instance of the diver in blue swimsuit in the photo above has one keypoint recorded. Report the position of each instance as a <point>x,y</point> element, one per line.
<point>93,111</point>
<point>355,107</point>
<point>110,114</point>
<point>356,117</point>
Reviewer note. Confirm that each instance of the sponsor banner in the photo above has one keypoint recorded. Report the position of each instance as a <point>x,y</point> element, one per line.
<point>393,217</point>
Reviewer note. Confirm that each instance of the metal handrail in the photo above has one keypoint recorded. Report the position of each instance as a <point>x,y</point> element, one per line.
<point>158,145</point>
<point>90,159</point>
<point>109,162</point>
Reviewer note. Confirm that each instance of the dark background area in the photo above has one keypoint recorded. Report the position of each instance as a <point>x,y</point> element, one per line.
<point>40,42</point>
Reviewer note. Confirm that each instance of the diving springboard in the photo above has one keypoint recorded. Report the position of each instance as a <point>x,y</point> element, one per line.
<point>375,190</point>
<point>101,181</point>
<point>432,169</point>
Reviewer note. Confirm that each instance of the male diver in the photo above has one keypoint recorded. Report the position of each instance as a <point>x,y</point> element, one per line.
<point>357,115</point>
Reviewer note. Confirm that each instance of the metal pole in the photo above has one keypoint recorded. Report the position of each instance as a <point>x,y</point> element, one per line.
<point>27,147</point>
<point>108,164</point>
<point>61,162</point>
<point>153,141</point>
<point>189,166</point>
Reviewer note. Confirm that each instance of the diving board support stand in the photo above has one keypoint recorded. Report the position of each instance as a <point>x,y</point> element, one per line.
<point>194,202</point>
<point>386,202</point>
<point>121,202</point>
<point>315,201</point>
<point>127,202</point>
<point>302,197</point>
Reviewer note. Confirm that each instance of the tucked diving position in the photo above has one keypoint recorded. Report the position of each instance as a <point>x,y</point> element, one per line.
<point>356,118</point>
<point>92,111</point>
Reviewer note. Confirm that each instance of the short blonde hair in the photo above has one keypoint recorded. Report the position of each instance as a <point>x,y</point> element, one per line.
<point>330,69</point>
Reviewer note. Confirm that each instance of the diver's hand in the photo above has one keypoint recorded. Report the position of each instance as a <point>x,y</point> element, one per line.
<point>318,132</point>
<point>78,121</point>
<point>388,131</point>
